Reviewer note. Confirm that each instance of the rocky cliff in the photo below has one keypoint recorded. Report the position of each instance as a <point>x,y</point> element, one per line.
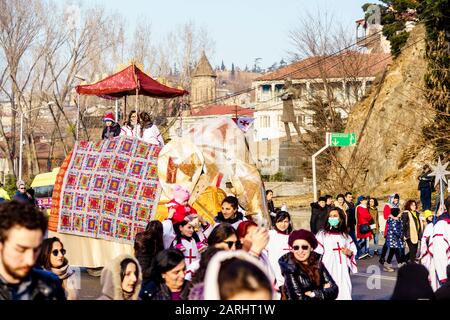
<point>390,149</point>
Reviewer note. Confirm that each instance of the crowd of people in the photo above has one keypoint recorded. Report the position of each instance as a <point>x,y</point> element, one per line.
<point>234,258</point>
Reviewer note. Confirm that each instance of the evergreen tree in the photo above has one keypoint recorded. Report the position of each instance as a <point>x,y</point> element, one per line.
<point>282,63</point>
<point>223,66</point>
<point>232,71</point>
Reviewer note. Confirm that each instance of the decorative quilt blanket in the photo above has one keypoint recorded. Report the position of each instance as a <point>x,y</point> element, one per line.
<point>110,189</point>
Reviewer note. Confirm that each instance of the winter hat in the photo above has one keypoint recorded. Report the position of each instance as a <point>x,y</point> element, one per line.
<point>211,288</point>
<point>303,235</point>
<point>427,214</point>
<point>180,193</point>
<point>20,183</point>
<point>109,117</point>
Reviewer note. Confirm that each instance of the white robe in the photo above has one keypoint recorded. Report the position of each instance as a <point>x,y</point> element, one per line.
<point>337,263</point>
<point>426,257</point>
<point>191,256</point>
<point>153,136</point>
<point>440,248</point>
<point>276,248</point>
<point>168,233</point>
<point>127,131</point>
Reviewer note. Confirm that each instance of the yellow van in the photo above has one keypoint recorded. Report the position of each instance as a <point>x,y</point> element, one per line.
<point>43,188</point>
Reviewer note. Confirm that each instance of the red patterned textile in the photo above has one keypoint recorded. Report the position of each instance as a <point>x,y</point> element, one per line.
<point>125,83</point>
<point>110,189</point>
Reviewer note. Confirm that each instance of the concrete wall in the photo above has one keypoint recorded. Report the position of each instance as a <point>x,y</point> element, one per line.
<point>285,189</point>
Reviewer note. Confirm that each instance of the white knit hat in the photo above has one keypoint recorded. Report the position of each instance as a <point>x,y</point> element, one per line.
<point>212,272</point>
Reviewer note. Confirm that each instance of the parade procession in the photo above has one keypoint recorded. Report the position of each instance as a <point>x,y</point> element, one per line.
<point>136,166</point>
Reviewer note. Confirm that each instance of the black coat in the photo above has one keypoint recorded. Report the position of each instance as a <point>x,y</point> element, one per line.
<point>426,183</point>
<point>111,132</point>
<point>23,198</point>
<point>443,293</point>
<point>152,291</point>
<point>351,215</point>
<point>43,285</point>
<point>297,282</point>
<point>237,217</point>
<point>318,217</point>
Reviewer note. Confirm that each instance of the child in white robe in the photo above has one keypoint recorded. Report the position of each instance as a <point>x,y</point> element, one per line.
<point>339,251</point>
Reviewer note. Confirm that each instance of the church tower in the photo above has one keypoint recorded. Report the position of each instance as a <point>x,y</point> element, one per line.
<point>203,86</point>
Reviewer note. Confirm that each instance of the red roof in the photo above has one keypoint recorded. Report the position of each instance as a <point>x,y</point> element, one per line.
<point>220,110</point>
<point>346,65</point>
<point>125,83</point>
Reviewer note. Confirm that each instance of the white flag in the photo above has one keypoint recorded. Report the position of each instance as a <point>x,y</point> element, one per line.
<point>243,122</point>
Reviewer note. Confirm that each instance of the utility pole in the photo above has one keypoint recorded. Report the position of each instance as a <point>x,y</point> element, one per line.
<point>327,144</point>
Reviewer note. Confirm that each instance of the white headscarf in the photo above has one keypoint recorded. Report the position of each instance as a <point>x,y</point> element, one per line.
<point>211,281</point>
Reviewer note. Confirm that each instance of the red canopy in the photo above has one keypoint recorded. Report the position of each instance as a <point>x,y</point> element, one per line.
<point>126,82</point>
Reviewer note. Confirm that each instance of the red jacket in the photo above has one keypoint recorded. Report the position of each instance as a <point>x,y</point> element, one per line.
<point>386,214</point>
<point>180,211</point>
<point>362,217</point>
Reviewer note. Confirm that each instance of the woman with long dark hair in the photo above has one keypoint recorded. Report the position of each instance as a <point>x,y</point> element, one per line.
<point>53,258</point>
<point>278,243</point>
<point>412,229</point>
<point>224,236</point>
<point>306,278</point>
<point>121,279</point>
<point>147,244</point>
<point>338,252</point>
<point>149,132</point>
<point>131,127</point>
<point>167,277</point>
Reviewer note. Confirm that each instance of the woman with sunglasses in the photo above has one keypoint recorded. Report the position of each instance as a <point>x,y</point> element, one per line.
<point>278,243</point>
<point>224,236</point>
<point>305,277</point>
<point>338,252</point>
<point>52,258</point>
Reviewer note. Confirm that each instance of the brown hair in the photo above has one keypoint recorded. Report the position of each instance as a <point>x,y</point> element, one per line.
<point>312,269</point>
<point>409,203</point>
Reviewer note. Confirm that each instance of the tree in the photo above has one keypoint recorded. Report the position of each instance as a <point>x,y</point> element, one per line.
<point>232,71</point>
<point>318,37</point>
<point>222,67</point>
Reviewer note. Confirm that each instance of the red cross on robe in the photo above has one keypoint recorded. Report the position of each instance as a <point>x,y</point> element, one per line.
<point>190,256</point>
<point>339,249</point>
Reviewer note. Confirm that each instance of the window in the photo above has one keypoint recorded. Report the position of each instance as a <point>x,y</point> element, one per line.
<point>265,88</point>
<point>301,120</point>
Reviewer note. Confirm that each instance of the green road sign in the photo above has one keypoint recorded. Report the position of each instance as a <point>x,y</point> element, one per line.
<point>341,139</point>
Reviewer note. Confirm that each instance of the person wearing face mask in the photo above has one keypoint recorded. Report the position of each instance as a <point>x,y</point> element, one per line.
<point>305,276</point>
<point>338,252</point>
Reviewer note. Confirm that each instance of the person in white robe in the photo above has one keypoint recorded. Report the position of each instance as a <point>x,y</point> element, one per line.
<point>338,252</point>
<point>425,256</point>
<point>440,245</point>
<point>278,243</point>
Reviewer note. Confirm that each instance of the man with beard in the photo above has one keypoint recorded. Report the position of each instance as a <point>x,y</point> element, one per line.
<point>22,228</point>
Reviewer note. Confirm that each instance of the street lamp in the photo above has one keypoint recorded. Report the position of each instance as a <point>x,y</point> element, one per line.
<point>78,104</point>
<point>21,135</point>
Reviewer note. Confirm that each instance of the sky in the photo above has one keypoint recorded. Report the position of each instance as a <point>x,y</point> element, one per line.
<point>242,30</point>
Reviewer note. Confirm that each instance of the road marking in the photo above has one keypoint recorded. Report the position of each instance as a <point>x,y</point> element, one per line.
<point>371,275</point>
